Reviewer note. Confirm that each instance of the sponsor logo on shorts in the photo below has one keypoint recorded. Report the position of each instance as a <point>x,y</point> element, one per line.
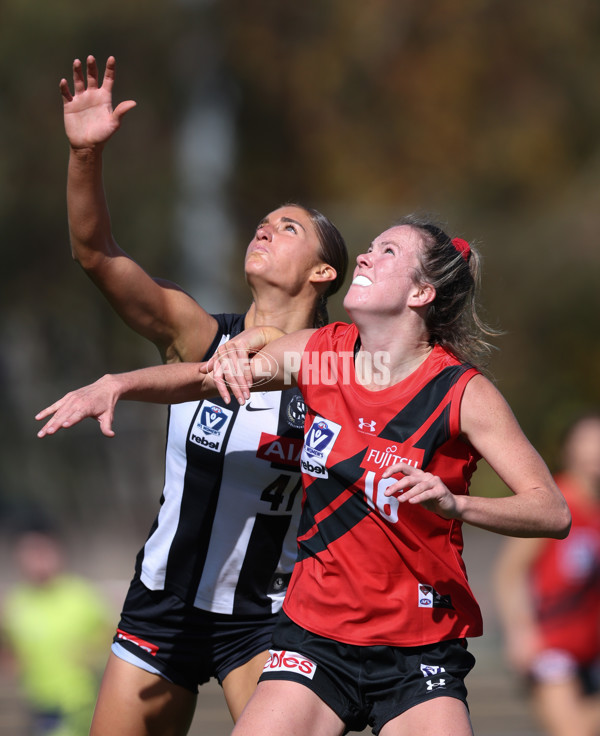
<point>431,685</point>
<point>429,670</point>
<point>145,645</point>
<point>285,661</point>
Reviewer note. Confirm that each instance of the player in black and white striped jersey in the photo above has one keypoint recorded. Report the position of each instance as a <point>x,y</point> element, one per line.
<point>212,574</point>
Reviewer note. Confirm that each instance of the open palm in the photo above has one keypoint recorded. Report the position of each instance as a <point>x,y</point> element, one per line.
<point>88,113</point>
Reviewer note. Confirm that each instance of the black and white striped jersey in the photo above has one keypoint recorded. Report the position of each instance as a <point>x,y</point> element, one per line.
<point>225,536</point>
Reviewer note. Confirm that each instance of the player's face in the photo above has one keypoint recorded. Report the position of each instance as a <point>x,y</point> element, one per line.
<point>384,277</point>
<point>284,250</point>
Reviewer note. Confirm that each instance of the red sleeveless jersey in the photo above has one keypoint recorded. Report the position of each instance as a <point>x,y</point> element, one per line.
<point>566,580</point>
<point>370,570</point>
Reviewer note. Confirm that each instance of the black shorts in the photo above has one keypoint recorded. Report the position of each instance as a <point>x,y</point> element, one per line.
<point>184,644</point>
<point>368,685</point>
<point>552,666</point>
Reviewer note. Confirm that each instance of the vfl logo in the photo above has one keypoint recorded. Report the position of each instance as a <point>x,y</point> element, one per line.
<point>318,443</point>
<point>429,670</point>
<point>212,419</point>
<point>210,426</point>
<point>318,437</point>
<point>284,661</point>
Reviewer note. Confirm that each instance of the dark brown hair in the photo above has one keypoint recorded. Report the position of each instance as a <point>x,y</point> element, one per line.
<point>332,251</point>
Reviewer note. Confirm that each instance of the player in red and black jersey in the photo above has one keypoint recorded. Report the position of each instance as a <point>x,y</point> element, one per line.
<point>548,596</point>
<point>378,608</point>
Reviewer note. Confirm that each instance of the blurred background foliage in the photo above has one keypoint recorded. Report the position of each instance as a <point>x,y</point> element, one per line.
<point>483,112</point>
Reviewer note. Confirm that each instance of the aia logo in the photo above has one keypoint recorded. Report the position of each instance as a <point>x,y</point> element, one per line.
<point>279,450</point>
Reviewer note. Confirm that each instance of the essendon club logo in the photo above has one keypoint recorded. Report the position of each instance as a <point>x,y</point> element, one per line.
<point>382,453</point>
<point>280,450</point>
<point>430,598</point>
<point>284,661</point>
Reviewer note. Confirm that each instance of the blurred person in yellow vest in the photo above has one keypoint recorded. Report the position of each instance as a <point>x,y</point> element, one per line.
<point>55,628</point>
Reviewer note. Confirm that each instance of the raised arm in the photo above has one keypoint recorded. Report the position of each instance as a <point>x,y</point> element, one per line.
<point>157,310</point>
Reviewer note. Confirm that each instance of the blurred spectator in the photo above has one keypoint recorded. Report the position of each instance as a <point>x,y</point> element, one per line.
<point>55,629</point>
<point>548,594</point>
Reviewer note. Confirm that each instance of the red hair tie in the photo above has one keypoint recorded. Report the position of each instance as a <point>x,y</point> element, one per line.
<point>462,247</point>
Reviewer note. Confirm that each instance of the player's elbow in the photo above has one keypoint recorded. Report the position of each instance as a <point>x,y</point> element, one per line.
<point>561,519</point>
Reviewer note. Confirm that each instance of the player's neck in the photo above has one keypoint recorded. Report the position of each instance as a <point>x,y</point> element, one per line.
<point>289,314</point>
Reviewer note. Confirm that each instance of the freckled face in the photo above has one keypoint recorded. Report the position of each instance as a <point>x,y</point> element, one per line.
<point>383,279</point>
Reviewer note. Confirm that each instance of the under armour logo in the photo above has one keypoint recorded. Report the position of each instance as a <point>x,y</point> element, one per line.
<point>363,424</point>
<point>434,685</point>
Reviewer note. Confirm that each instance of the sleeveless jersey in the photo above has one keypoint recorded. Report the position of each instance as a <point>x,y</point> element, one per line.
<point>370,570</point>
<point>224,538</point>
<point>566,580</point>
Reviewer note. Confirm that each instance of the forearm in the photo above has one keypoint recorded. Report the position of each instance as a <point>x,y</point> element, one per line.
<point>88,215</point>
<point>539,513</point>
<point>163,384</point>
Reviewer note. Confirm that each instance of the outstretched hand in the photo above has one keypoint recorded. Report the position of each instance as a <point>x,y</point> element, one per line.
<point>231,364</point>
<point>88,113</point>
<point>96,400</point>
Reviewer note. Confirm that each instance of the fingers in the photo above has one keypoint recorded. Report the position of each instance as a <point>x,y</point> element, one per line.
<point>232,372</point>
<point>106,425</point>
<point>109,73</point>
<point>78,80</point>
<point>54,424</point>
<point>412,485</point>
<point>122,108</point>
<point>92,73</point>
<point>65,91</point>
